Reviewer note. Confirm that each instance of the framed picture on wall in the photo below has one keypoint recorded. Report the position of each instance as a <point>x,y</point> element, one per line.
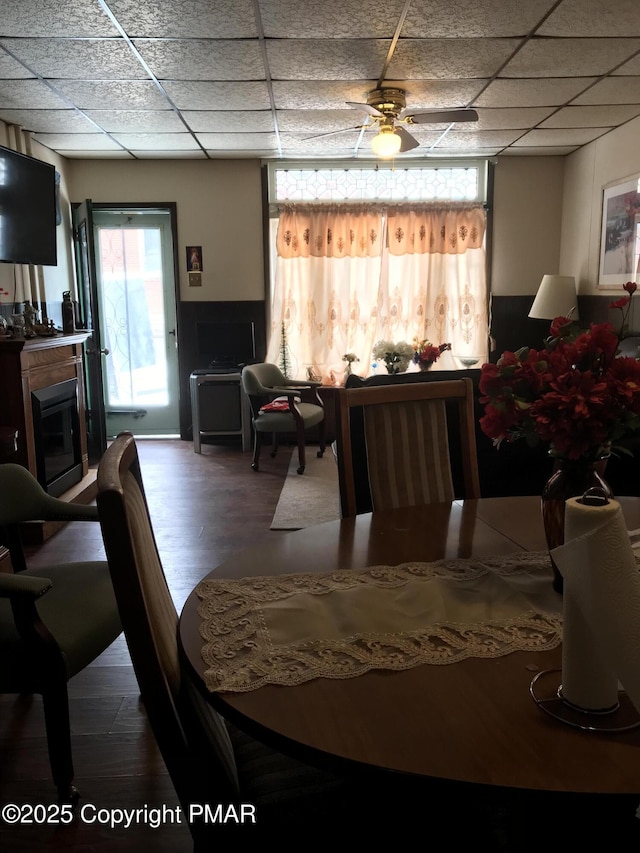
<point>194,258</point>
<point>620,237</point>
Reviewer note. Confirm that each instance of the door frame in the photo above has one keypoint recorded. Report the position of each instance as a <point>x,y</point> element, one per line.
<point>94,206</point>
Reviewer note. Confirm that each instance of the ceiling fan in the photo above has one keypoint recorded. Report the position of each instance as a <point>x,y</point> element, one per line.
<point>387,109</point>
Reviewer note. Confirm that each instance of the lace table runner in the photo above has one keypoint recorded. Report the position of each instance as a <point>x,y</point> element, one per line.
<point>292,628</point>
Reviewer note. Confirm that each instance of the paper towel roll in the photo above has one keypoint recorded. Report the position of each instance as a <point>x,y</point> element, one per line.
<point>588,682</point>
<point>603,584</point>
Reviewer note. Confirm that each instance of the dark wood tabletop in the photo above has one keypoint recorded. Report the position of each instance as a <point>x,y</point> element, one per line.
<point>472,721</point>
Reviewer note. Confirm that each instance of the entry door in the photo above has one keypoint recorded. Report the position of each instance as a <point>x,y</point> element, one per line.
<point>89,312</point>
<point>136,291</point>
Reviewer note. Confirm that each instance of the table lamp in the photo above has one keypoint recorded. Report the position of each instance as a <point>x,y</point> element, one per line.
<point>556,297</point>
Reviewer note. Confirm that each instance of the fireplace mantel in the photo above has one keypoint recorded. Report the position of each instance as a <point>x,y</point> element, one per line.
<point>31,365</point>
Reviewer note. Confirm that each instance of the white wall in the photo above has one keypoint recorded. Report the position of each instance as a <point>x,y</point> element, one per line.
<point>610,159</point>
<point>219,207</point>
<point>527,217</point>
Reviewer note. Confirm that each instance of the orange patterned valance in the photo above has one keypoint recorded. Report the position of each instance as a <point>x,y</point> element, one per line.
<point>447,229</point>
<point>330,231</point>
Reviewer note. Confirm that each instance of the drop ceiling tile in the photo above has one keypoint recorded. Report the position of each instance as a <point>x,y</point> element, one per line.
<point>219,121</point>
<point>442,59</point>
<point>511,117</point>
<point>449,153</point>
<point>341,19</point>
<point>266,154</point>
<point>10,68</point>
<point>629,68</point>
<point>196,95</point>
<point>326,59</point>
<point>137,121</point>
<point>340,142</point>
<point>77,141</point>
<point>600,116</point>
<point>612,90</point>
<point>238,141</point>
<point>146,154</point>
<point>569,57</point>
<point>319,121</point>
<point>113,94</point>
<point>203,59</point>
<point>461,19</point>
<point>593,18</point>
<point>551,137</point>
<point>319,94</point>
<point>552,91</point>
<point>15,94</point>
<point>49,121</point>
<point>76,58</point>
<point>473,140</point>
<point>186,18</point>
<point>80,154</point>
<point>156,141</point>
<point>439,94</point>
<point>82,18</point>
<point>521,151</point>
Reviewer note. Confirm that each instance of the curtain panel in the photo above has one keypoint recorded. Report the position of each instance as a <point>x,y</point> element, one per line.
<point>349,275</point>
<point>329,231</point>
<point>448,229</point>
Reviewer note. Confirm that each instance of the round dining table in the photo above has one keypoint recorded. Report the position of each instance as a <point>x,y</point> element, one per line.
<point>472,721</point>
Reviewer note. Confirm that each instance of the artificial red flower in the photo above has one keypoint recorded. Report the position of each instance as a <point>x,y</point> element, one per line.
<point>620,303</point>
<point>559,326</point>
<point>575,395</point>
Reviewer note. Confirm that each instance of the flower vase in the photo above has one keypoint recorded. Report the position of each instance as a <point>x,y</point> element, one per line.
<point>570,478</point>
<point>425,366</point>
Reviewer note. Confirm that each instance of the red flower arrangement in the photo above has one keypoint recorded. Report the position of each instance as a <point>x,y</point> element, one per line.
<point>575,394</point>
<point>426,352</point>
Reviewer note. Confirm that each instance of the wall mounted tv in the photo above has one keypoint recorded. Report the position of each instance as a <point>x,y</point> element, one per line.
<point>27,210</point>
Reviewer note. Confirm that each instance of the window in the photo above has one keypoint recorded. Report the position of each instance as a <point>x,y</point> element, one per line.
<point>371,253</point>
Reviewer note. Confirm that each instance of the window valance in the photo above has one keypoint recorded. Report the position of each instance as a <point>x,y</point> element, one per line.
<point>358,231</point>
<point>448,229</point>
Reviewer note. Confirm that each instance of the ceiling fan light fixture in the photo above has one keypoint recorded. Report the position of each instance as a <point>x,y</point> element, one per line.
<point>386,143</point>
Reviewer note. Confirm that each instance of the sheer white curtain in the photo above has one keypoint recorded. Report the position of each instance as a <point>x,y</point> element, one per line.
<point>349,275</point>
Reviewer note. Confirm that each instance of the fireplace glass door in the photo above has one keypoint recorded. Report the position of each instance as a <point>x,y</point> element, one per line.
<point>56,430</point>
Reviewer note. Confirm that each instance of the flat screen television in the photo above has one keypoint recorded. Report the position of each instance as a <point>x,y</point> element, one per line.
<point>225,344</point>
<point>27,210</point>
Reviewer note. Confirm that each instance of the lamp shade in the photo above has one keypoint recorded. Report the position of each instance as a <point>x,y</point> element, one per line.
<point>386,143</point>
<point>556,297</point>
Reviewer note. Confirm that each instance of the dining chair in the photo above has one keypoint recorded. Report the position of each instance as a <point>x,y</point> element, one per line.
<point>405,440</point>
<point>280,405</point>
<point>208,759</point>
<point>54,621</point>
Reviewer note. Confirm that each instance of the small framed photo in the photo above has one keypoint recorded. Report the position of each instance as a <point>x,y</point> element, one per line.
<point>194,258</point>
<point>620,237</point>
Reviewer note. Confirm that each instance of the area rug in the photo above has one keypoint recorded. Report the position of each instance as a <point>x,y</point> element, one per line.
<point>308,498</point>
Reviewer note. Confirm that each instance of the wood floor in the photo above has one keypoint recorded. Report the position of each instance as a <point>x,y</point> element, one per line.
<point>203,507</point>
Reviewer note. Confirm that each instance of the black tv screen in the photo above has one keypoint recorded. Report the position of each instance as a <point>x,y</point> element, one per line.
<point>225,344</point>
<point>27,210</point>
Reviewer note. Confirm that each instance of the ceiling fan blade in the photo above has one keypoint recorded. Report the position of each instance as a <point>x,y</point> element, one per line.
<point>365,108</point>
<point>408,142</point>
<point>442,116</point>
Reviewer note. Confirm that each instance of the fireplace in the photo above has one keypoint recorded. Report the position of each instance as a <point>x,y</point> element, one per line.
<point>56,432</point>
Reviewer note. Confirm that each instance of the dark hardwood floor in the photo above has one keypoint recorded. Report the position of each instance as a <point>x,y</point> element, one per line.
<point>203,507</point>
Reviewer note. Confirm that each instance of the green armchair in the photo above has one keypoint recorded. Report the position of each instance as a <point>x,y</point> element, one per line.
<point>53,621</point>
<point>264,383</point>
